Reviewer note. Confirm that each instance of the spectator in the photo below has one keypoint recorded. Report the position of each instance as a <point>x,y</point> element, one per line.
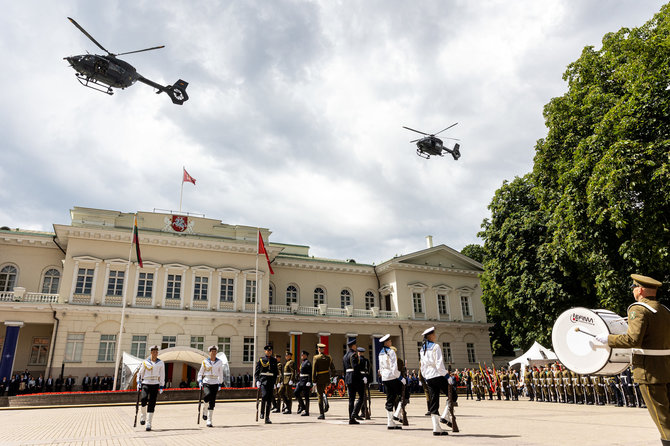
<point>95,383</point>
<point>86,383</point>
<point>69,383</point>
<point>49,385</point>
<point>59,383</point>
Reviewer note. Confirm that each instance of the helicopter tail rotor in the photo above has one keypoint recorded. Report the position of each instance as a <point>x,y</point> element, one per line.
<point>456,152</point>
<point>177,92</point>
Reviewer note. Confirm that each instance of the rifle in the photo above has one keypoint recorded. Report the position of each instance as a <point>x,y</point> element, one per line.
<point>258,396</point>
<point>368,412</point>
<point>454,426</point>
<point>199,403</point>
<point>403,403</point>
<point>137,405</point>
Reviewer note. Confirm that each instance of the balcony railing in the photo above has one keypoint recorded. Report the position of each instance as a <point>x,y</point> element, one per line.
<point>310,311</point>
<point>200,305</point>
<point>11,296</point>
<point>226,306</point>
<point>359,312</point>
<point>279,309</point>
<point>388,314</point>
<point>336,312</point>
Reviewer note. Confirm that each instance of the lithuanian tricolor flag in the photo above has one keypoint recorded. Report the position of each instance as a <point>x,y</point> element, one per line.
<point>136,241</point>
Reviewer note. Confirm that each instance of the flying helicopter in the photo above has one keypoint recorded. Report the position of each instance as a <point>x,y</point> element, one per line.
<point>103,73</point>
<point>432,145</point>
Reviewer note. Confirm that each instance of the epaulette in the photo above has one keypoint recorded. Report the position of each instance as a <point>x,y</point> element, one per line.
<point>647,306</point>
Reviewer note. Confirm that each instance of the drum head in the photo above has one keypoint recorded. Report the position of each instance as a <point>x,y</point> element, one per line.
<point>574,342</point>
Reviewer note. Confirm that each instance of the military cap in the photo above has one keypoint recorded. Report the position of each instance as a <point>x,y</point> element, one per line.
<point>385,338</point>
<point>153,347</point>
<point>645,281</point>
<point>428,331</point>
<point>360,349</point>
<point>305,352</point>
<point>321,345</point>
<point>268,347</point>
<point>288,353</point>
<point>212,347</point>
<point>351,342</point>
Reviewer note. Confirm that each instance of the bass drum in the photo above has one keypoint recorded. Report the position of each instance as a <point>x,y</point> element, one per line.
<point>575,345</point>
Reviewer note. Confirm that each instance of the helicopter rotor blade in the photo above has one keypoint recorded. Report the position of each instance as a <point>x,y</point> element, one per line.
<point>423,133</point>
<point>139,51</point>
<point>454,139</point>
<point>415,140</point>
<point>445,129</point>
<point>88,35</point>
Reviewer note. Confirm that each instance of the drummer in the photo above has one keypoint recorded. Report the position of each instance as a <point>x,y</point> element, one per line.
<point>649,337</point>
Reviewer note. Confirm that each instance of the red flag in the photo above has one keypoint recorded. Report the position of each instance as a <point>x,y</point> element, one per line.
<point>187,178</point>
<point>136,241</point>
<point>261,250</point>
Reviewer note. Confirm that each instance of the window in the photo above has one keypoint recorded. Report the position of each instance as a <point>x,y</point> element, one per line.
<point>84,281</point>
<point>271,294</point>
<point>465,306</point>
<point>226,293</point>
<point>173,289</point>
<point>74,347</point>
<point>138,346</point>
<point>107,349</point>
<point>51,281</point>
<point>291,295</point>
<point>418,349</point>
<point>8,278</point>
<point>115,283</point>
<point>442,305</point>
<point>446,352</point>
<point>198,342</point>
<point>417,299</point>
<point>248,350</point>
<point>168,342</point>
<point>471,352</point>
<point>145,285</point>
<point>224,346</point>
<point>200,288</point>
<point>345,298</point>
<point>369,300</point>
<point>319,297</point>
<point>39,351</point>
<point>250,292</point>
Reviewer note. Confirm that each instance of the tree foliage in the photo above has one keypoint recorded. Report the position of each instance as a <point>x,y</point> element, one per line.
<point>596,206</point>
<point>474,251</point>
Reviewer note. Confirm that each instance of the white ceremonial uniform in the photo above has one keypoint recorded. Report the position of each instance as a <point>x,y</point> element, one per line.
<point>433,371</point>
<point>151,377</point>
<point>432,364</point>
<point>211,372</point>
<point>152,372</point>
<point>388,369</point>
<point>388,364</point>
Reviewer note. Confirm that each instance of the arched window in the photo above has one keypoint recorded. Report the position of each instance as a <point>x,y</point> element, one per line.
<point>319,296</point>
<point>345,298</point>
<point>271,294</point>
<point>8,275</point>
<point>369,300</point>
<point>291,295</point>
<point>51,281</point>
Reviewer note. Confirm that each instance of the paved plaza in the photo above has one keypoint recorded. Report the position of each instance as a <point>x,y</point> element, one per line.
<point>481,423</point>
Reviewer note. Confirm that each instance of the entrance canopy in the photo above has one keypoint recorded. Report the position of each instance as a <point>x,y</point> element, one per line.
<point>187,355</point>
<point>536,355</point>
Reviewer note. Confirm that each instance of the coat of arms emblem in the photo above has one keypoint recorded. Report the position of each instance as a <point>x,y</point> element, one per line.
<point>179,223</point>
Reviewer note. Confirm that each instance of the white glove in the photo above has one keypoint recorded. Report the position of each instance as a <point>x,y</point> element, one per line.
<point>602,338</point>
<point>403,381</point>
<point>420,384</point>
<point>258,383</point>
<point>333,380</point>
<point>139,386</point>
<point>365,380</point>
<point>309,384</point>
<point>220,387</point>
<point>200,384</point>
<point>160,390</point>
<point>290,383</point>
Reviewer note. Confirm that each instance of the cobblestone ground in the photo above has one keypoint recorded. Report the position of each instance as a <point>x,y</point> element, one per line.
<point>481,423</point>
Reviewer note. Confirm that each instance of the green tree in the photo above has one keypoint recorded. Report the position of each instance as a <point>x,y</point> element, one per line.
<point>596,206</point>
<point>474,251</point>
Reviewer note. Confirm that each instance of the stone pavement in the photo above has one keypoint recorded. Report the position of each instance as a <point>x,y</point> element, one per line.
<point>481,423</point>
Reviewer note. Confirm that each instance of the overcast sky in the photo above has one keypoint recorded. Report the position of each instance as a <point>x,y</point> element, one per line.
<point>296,109</point>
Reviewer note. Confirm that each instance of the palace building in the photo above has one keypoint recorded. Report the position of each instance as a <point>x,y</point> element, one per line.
<point>61,296</point>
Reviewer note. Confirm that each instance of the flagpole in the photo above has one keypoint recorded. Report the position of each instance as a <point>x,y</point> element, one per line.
<point>258,235</point>
<point>123,308</point>
<point>181,194</point>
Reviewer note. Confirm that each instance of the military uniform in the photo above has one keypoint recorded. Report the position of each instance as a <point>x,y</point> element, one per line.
<point>513,384</point>
<point>528,383</point>
<point>265,374</point>
<point>322,370</point>
<point>210,378</point>
<point>151,380</point>
<point>304,386</point>
<point>432,369</point>
<point>504,383</point>
<point>576,386</point>
<point>353,380</point>
<point>649,337</point>
<point>286,388</point>
<point>365,373</point>
<point>388,367</point>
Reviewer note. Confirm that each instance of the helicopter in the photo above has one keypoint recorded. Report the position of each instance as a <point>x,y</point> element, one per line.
<point>103,73</point>
<point>432,145</point>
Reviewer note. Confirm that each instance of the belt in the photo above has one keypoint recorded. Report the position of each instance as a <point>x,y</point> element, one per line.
<point>151,377</point>
<point>211,376</point>
<point>267,374</point>
<point>349,370</point>
<point>304,374</point>
<point>364,373</point>
<point>288,373</point>
<point>649,352</point>
<point>321,373</point>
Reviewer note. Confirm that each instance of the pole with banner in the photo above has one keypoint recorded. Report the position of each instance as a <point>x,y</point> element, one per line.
<point>184,178</point>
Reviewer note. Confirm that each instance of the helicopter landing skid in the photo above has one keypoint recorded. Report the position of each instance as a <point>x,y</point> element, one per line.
<point>85,81</point>
<point>422,154</point>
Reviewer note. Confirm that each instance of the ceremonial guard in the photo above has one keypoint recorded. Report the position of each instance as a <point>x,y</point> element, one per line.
<point>365,373</point>
<point>265,375</point>
<point>276,400</point>
<point>477,382</point>
<point>354,380</point>
<point>393,382</point>
<point>151,380</point>
<point>649,337</point>
<point>304,386</point>
<point>513,384</point>
<point>577,393</point>
<point>528,383</point>
<point>322,371</point>
<point>504,380</point>
<point>210,378</point>
<point>287,378</point>
<point>432,369</point>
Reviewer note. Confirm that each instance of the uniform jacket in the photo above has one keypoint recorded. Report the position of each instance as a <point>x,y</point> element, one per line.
<point>152,372</point>
<point>266,370</point>
<point>388,364</point>
<point>289,372</point>
<point>352,368</point>
<point>323,368</point>
<point>305,375</point>
<point>211,372</point>
<point>432,364</point>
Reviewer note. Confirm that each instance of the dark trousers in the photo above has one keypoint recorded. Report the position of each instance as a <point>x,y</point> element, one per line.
<point>435,386</point>
<point>355,388</point>
<point>393,393</point>
<point>149,395</point>
<point>209,394</point>
<point>267,395</point>
<point>302,391</point>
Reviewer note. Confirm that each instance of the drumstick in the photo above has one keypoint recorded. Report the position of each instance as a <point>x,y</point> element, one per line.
<point>577,329</point>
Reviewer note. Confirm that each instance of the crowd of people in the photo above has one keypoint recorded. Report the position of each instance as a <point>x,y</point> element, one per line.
<point>25,383</point>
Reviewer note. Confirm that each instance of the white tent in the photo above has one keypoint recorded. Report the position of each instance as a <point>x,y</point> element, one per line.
<point>131,365</point>
<point>535,355</point>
